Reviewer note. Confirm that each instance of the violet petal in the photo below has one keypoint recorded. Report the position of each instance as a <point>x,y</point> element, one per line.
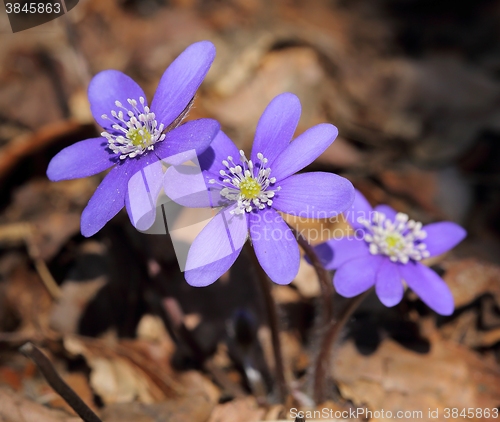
<point>303,150</point>
<point>143,190</point>
<point>275,246</point>
<point>314,195</point>
<point>192,137</point>
<point>107,87</point>
<point>109,197</point>
<point>189,187</point>
<point>220,239</point>
<point>428,286</point>
<point>360,208</point>
<point>276,127</point>
<point>443,236</point>
<point>207,274</point>
<point>357,275</point>
<point>338,251</point>
<point>388,211</point>
<point>179,83</point>
<point>220,148</point>
<point>389,285</point>
<point>82,159</point>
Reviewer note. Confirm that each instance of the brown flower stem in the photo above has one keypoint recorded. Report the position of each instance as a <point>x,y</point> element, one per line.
<point>330,337</point>
<point>325,280</point>
<point>272,316</point>
<point>57,383</point>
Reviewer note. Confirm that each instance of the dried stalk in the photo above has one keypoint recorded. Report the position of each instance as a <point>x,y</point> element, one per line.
<point>330,337</point>
<point>58,384</point>
<point>272,315</point>
<point>325,280</point>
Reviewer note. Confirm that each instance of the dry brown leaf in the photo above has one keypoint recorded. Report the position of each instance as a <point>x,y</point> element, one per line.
<point>28,144</point>
<point>46,227</point>
<point>29,300</point>
<point>441,193</point>
<point>306,280</point>
<point>194,405</point>
<point>274,412</point>
<point>464,330</point>
<point>394,378</point>
<point>239,410</point>
<point>342,154</point>
<point>137,371</point>
<point>15,408</point>
<point>187,409</point>
<point>292,351</point>
<point>115,376</point>
<point>469,279</point>
<point>296,70</point>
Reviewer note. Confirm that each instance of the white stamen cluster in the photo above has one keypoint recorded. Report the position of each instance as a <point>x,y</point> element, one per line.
<point>400,240</point>
<point>137,130</point>
<point>247,183</point>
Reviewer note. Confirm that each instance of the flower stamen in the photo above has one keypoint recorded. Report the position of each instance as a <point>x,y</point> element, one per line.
<point>137,130</point>
<point>247,183</point>
<point>400,240</point>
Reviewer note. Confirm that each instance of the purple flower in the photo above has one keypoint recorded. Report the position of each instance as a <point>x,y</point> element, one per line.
<point>252,191</point>
<point>386,249</point>
<point>135,135</point>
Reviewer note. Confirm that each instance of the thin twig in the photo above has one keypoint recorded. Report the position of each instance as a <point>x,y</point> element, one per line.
<point>24,232</point>
<point>47,279</point>
<point>57,383</point>
<point>332,333</point>
<point>40,265</point>
<point>272,315</point>
<point>325,280</point>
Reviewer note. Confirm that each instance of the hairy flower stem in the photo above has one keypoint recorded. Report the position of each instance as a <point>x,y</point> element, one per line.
<point>328,340</point>
<point>272,316</point>
<point>325,280</point>
<point>57,383</point>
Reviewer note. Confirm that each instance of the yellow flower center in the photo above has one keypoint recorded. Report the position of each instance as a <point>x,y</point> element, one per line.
<point>140,137</point>
<point>250,188</point>
<point>394,242</point>
<point>247,184</point>
<point>399,238</point>
<point>135,129</point>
